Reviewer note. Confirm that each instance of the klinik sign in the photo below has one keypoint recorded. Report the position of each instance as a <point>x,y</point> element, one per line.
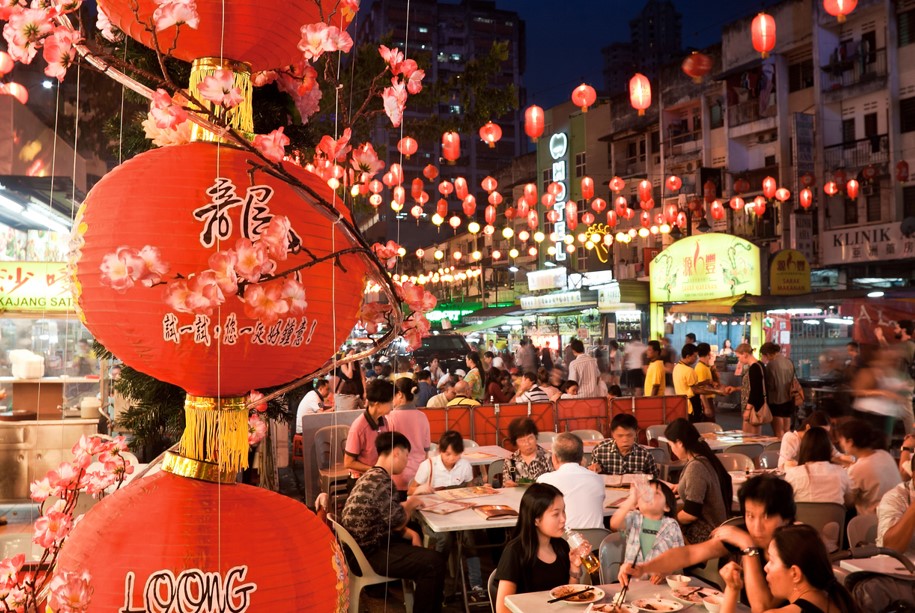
<point>559,149</point>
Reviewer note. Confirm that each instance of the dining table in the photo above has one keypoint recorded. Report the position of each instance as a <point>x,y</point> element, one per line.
<point>720,441</point>
<point>485,454</point>
<point>640,590</point>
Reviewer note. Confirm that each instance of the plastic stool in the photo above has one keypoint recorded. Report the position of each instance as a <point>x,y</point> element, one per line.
<point>298,452</point>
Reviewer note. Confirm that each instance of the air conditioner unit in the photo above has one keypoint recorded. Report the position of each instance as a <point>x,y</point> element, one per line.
<point>867,189</point>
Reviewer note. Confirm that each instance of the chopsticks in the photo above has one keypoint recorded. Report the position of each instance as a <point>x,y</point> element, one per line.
<point>572,595</point>
<point>620,596</point>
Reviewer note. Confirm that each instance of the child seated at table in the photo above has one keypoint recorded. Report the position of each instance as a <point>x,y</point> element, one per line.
<point>649,517</point>
<point>537,558</point>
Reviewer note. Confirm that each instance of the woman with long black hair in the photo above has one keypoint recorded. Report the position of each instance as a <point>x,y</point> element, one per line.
<point>705,486</point>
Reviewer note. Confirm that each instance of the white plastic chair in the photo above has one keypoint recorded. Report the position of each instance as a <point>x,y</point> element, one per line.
<point>612,550</point>
<point>368,576</point>
<point>862,530</point>
<point>588,435</point>
<point>708,427</point>
<point>768,459</point>
<point>829,520</point>
<point>546,437</point>
<point>470,444</point>
<point>751,450</point>
<point>736,461</point>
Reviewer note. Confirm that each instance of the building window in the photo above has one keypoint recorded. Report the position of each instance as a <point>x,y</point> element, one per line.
<point>423,30</point>
<point>907,114</point>
<point>906,27</point>
<point>581,164</point>
<point>454,109</point>
<point>545,179</point>
<point>908,201</point>
<point>582,254</point>
<point>851,211</point>
<point>872,200</point>
<point>716,115</point>
<point>800,75</point>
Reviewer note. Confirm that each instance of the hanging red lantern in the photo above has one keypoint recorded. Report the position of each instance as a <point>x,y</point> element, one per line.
<point>451,146</point>
<point>556,189</point>
<point>763,33</point>
<point>416,187</point>
<point>584,96</point>
<point>416,211</point>
<point>646,205</point>
<point>6,63</point>
<point>628,214</point>
<point>552,216</point>
<point>396,173</point>
<point>617,184</point>
<point>470,205</point>
<point>206,363</point>
<point>694,205</point>
<point>840,8</point>
<point>407,146</point>
<point>805,197</point>
<point>548,200</point>
<point>807,179</point>
<point>697,65</point>
<point>571,215</point>
<point>587,188</point>
<point>741,186</point>
<point>869,172</point>
<point>717,210</point>
<point>510,213</point>
<point>489,214</point>
<point>16,90</point>
<point>398,194</point>
<point>587,218</point>
<point>659,219</point>
<point>759,206</point>
<point>645,219</point>
<point>709,191</point>
<point>621,204</point>
<point>674,183</point>
<point>644,190</point>
<point>840,176</point>
<point>490,133</point>
<point>530,193</point>
<point>460,188</point>
<point>851,188</point>
<point>681,220</point>
<point>441,207</point>
<point>670,212</point>
<point>376,186</point>
<point>495,198</point>
<point>769,185</point>
<point>902,171</point>
<point>533,122</point>
<point>430,172</point>
<point>782,194</point>
<point>612,219</point>
<point>831,188</point>
<point>489,184</point>
<point>737,203</point>
<point>640,93</point>
<point>532,220</point>
<point>599,204</point>
<point>445,188</point>
<point>522,206</point>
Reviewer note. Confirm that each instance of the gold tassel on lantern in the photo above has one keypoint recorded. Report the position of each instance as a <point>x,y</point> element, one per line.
<point>214,446</point>
<point>240,118</point>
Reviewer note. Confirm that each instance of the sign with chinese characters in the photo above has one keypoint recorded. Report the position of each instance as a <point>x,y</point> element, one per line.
<point>559,148</point>
<point>789,273</point>
<point>548,278</point>
<point>866,243</point>
<point>35,287</point>
<point>551,301</point>
<point>704,268</point>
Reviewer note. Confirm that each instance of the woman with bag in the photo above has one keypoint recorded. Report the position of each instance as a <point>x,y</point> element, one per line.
<point>752,390</point>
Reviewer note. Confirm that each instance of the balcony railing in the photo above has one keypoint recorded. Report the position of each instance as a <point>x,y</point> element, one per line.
<point>859,68</point>
<point>749,111</point>
<point>857,153</point>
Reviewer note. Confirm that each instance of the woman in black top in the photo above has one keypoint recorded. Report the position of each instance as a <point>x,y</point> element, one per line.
<point>537,558</point>
<point>753,385</point>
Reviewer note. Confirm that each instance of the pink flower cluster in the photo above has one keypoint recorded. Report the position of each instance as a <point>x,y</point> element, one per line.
<point>219,88</point>
<point>71,592</point>
<point>165,111</point>
<point>272,145</point>
<point>365,163</point>
<point>125,267</point>
<point>320,38</point>
<point>374,313</point>
<point>12,596</point>
<point>407,79</point>
<point>387,253</point>
<point>176,12</point>
<point>299,81</point>
<point>30,27</point>
<point>255,396</point>
<point>257,428</point>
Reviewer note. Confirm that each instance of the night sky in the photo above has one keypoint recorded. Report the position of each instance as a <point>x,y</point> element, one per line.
<point>564,37</point>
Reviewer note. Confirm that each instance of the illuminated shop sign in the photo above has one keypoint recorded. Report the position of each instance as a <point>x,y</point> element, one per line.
<point>559,148</point>
<point>789,273</point>
<point>705,267</point>
<point>35,287</point>
<point>549,278</point>
<point>551,300</point>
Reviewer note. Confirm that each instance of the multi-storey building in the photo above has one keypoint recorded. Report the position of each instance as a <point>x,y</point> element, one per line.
<point>655,40</point>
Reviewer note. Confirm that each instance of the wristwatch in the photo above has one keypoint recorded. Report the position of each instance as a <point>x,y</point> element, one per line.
<point>751,551</point>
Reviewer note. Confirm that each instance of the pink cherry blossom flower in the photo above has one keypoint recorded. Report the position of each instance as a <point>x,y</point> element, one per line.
<point>265,303</point>
<point>176,12</point>
<point>263,77</point>
<point>257,429</point>
<point>98,478</point>
<point>253,260</point>
<point>108,30</point>
<point>42,489</point>
<point>256,398</point>
<point>374,313</point>
<point>414,329</point>
<point>393,57</point>
<point>9,569</point>
<point>220,89</point>
<point>88,446</point>
<point>164,110</point>
<point>272,145</point>
<point>59,52</point>
<point>335,149</point>
<point>275,236</point>
<point>24,32</point>
<point>308,104</point>
<point>165,137</point>
<point>387,253</point>
<point>395,99</point>
<point>121,268</point>
<point>338,40</point>
<point>51,528</point>
<point>117,444</point>
<point>176,294</point>
<point>71,592</point>
<point>314,39</point>
<point>294,293</point>
<point>65,476</point>
<point>414,82</point>
<point>153,266</point>
<point>16,599</point>
<point>298,80</point>
<point>222,264</point>
<point>416,297</point>
<point>204,294</point>
<point>366,163</point>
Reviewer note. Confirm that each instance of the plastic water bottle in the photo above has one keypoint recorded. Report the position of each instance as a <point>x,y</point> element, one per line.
<point>577,542</point>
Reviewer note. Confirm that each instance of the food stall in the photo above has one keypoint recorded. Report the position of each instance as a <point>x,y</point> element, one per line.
<point>49,376</point>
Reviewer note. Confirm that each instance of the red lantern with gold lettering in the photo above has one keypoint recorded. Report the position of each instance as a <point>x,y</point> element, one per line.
<point>491,134</point>
<point>584,96</point>
<point>763,33</point>
<point>840,8</point>
<point>533,122</point>
<point>640,93</point>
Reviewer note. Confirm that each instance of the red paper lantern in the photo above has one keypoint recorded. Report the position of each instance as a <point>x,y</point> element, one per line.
<point>628,213</point>
<point>451,146</point>
<point>584,96</point>
<point>460,188</point>
<point>807,179</point>
<point>840,176</point>
<point>396,171</point>
<point>523,206</point>
<point>510,213</point>
<point>430,172</point>
<point>674,183</point>
<point>490,133</point>
<point>681,220</point>
<point>407,146</point>
<point>599,204</point>
<point>416,211</point>
<point>759,206</point>
<point>709,191</point>
<point>532,220</point>
<point>840,8</point>
<point>737,203</point>
<point>612,219</point>
<point>489,214</point>
<point>670,212</point>
<point>831,188</point>
<point>644,190</point>
<point>548,200</point>
<point>556,189</point>
<point>533,122</point>
<point>587,188</point>
<point>226,352</point>
<point>495,198</point>
<point>902,171</point>
<point>646,205</point>
<point>694,205</point>
<point>530,193</point>
<point>869,172</point>
<point>552,216</point>
<point>571,215</point>
<point>645,219</point>
<point>617,184</point>
<point>640,92</point>
<point>717,210</point>
<point>6,63</point>
<point>445,188</point>
<point>489,184</point>
<point>769,185</point>
<point>851,188</point>
<point>197,533</point>
<point>398,195</point>
<point>805,197</point>
<point>261,33</point>
<point>741,186</point>
<point>470,205</point>
<point>782,194</point>
<point>697,65</point>
<point>416,188</point>
<point>441,207</point>
<point>587,218</point>
<point>763,33</point>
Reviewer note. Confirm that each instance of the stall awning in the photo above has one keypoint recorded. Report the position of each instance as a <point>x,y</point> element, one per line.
<point>493,322</point>
<point>718,306</point>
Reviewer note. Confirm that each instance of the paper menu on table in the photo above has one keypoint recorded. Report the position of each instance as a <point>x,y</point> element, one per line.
<point>447,506</point>
<point>463,493</point>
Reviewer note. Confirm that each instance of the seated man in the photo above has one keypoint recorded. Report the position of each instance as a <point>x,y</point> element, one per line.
<point>313,402</point>
<point>583,490</point>
<point>896,518</point>
<point>767,503</point>
<point>620,454</point>
<point>379,525</point>
<point>462,397</point>
<point>529,390</point>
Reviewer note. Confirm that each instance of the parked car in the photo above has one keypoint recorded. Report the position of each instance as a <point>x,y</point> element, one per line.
<point>451,349</point>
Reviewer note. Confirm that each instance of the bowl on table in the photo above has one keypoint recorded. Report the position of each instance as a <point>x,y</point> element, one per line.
<point>712,603</point>
<point>677,581</point>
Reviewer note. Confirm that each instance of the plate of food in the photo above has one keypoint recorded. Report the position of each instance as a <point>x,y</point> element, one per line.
<point>663,605</point>
<point>592,595</point>
<point>694,595</point>
<point>612,608</point>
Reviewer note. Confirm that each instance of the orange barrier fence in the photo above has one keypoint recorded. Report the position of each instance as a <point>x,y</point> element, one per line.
<point>582,414</point>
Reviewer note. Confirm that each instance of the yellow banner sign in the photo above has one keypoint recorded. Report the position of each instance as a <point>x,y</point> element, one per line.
<point>705,267</point>
<point>789,273</point>
<point>35,287</point>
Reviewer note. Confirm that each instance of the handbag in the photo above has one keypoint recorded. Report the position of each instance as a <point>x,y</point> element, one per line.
<point>797,393</point>
<point>762,415</point>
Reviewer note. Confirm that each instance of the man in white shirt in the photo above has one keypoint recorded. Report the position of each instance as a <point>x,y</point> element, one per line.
<point>583,369</point>
<point>896,518</point>
<point>313,402</point>
<point>582,489</point>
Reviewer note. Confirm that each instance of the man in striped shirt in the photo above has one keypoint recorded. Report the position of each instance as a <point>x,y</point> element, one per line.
<point>584,370</point>
<point>529,391</point>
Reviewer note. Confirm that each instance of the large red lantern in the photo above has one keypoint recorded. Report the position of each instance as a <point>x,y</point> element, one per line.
<point>640,92</point>
<point>407,146</point>
<point>571,215</point>
<point>263,34</point>
<point>587,188</point>
<point>840,8</point>
<point>851,188</point>
<point>208,203</point>
<point>769,186</point>
<point>717,210</point>
<point>831,188</point>
<point>598,204</point>
<point>805,197</point>
<point>460,188</point>
<point>644,190</point>
<point>199,534</point>
<point>470,205</point>
<point>697,65</point>
<point>584,96</point>
<point>617,184</point>
<point>489,214</point>
<point>763,33</point>
<point>533,122</point>
<point>674,183</point>
<point>709,191</point>
<point>490,133</point>
<point>612,219</point>
<point>451,146</point>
